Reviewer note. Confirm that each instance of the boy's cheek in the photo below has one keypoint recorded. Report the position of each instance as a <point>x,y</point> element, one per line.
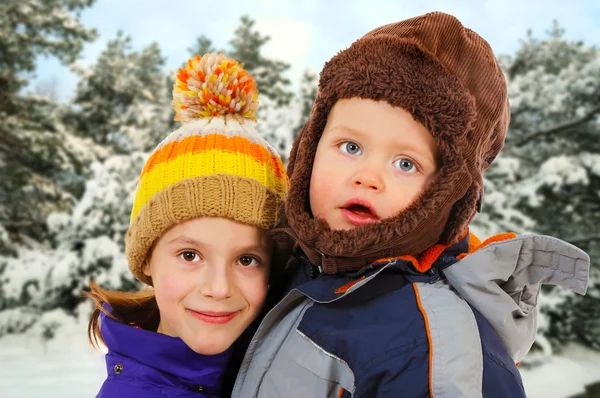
<point>321,191</point>
<point>312,205</point>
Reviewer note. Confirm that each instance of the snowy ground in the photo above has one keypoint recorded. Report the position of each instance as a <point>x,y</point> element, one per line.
<point>562,376</point>
<point>68,367</point>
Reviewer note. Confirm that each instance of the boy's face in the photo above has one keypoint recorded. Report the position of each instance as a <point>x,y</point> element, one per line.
<point>372,162</point>
<point>210,277</point>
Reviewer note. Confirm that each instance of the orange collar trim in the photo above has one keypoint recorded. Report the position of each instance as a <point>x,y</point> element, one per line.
<point>426,260</point>
<point>473,246</point>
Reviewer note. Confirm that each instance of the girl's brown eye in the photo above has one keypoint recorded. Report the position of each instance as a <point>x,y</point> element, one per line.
<point>247,261</point>
<point>189,256</point>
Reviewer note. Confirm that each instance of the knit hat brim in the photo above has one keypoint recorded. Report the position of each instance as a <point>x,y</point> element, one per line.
<point>219,195</point>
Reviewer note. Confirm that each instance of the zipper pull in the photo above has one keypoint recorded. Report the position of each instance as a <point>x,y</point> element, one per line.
<point>434,275</point>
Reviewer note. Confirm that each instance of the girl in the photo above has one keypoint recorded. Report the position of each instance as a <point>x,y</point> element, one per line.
<point>198,237</point>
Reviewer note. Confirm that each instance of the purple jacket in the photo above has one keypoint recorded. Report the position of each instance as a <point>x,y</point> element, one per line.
<point>146,364</point>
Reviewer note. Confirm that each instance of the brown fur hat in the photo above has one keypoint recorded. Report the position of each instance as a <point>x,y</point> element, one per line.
<point>448,78</point>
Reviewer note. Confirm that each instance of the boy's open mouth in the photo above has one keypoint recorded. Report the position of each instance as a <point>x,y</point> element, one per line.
<point>359,212</point>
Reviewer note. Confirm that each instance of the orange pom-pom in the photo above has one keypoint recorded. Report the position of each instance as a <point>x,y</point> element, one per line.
<point>214,85</point>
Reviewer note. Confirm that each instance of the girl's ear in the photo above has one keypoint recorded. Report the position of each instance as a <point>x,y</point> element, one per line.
<point>146,268</point>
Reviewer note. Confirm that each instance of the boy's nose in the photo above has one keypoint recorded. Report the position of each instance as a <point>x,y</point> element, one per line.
<point>369,180</point>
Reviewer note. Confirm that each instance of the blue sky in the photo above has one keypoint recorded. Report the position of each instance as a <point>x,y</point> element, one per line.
<point>308,33</point>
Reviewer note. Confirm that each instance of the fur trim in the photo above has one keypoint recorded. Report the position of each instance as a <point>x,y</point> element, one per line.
<point>404,75</point>
<point>447,77</point>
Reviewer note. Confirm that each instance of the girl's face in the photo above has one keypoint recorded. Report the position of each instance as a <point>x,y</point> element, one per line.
<point>210,277</point>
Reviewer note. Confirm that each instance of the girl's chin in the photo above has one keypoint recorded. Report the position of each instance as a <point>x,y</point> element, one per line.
<point>203,349</point>
<point>218,342</point>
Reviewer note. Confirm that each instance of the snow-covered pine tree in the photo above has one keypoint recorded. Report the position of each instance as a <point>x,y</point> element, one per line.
<point>246,47</point>
<point>120,97</point>
<point>87,243</point>
<point>203,45</point>
<point>30,28</point>
<point>40,171</point>
<point>277,123</point>
<point>84,236</point>
<point>552,154</point>
<point>308,92</point>
<point>278,111</point>
<point>500,211</point>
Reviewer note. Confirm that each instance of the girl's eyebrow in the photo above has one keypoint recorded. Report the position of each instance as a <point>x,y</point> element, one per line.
<point>185,240</point>
<point>252,247</point>
<point>257,248</point>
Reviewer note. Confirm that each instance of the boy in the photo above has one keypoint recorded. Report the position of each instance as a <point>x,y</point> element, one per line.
<point>393,297</point>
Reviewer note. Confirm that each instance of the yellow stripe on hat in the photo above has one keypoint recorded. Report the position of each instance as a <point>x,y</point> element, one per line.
<point>199,143</point>
<point>205,163</point>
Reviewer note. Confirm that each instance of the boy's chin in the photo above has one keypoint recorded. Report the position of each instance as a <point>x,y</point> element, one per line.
<point>340,225</point>
<point>343,227</point>
<point>343,224</point>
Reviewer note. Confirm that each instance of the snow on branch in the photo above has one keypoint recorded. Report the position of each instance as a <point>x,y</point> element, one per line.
<point>564,126</point>
<point>584,239</point>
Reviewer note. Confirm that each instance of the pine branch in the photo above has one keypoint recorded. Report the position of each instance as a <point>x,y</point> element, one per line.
<point>18,224</point>
<point>564,126</point>
<point>584,239</point>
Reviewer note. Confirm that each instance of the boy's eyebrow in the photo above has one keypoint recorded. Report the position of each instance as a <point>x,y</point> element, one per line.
<point>348,129</point>
<point>418,150</point>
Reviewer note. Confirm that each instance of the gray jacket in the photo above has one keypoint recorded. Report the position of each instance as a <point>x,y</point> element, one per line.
<point>387,333</point>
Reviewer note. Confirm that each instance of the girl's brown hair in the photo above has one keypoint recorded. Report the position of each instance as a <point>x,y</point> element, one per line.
<point>131,308</point>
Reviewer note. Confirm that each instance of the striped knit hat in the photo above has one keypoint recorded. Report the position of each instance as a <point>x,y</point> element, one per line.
<point>215,165</point>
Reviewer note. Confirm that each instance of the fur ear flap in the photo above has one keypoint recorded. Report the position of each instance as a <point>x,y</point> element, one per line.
<point>463,212</point>
<point>479,202</point>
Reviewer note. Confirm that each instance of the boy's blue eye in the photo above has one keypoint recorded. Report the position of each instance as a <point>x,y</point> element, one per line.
<point>248,261</point>
<point>351,148</point>
<point>406,165</point>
